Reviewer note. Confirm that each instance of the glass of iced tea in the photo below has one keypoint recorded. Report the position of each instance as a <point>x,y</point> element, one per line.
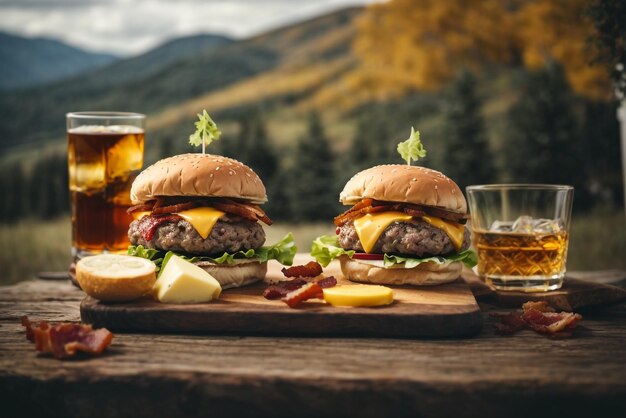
<point>105,154</point>
<point>521,232</point>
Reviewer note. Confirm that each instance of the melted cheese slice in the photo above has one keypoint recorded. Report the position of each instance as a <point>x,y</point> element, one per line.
<point>202,219</point>
<point>454,230</point>
<point>139,215</point>
<point>369,226</point>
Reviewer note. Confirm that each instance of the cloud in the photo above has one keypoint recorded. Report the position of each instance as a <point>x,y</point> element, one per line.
<point>128,27</point>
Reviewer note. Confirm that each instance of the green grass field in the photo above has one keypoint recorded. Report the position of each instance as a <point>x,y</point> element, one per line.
<point>598,242</point>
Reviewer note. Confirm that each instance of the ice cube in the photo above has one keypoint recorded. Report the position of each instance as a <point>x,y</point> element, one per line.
<point>523,224</point>
<point>501,226</point>
<point>547,225</point>
<point>88,177</point>
<point>124,157</point>
<point>527,224</point>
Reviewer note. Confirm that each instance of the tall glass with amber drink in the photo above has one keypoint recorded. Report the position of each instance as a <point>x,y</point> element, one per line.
<point>521,232</point>
<point>105,154</point>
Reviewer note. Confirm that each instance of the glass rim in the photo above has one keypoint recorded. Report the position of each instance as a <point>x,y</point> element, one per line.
<point>104,115</point>
<point>519,186</point>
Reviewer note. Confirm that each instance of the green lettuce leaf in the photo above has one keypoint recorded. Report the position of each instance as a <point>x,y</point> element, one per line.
<point>326,248</point>
<point>467,257</point>
<point>283,252</point>
<point>156,256</point>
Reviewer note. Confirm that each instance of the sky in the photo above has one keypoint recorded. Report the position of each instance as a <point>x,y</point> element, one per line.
<point>128,27</point>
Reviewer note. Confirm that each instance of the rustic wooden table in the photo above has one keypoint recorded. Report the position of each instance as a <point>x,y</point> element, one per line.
<point>146,375</point>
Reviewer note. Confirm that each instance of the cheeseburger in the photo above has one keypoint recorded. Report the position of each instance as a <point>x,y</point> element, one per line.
<point>406,226</point>
<point>205,208</point>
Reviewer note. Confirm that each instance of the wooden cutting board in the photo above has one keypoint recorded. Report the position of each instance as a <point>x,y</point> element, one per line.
<point>590,290</point>
<point>437,311</point>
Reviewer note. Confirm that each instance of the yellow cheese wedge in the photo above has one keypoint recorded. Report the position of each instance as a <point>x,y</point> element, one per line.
<point>115,277</point>
<point>454,230</point>
<point>202,219</point>
<point>182,282</point>
<point>358,295</point>
<point>369,226</point>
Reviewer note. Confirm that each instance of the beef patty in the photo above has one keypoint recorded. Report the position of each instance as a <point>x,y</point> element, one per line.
<point>411,238</point>
<point>226,236</point>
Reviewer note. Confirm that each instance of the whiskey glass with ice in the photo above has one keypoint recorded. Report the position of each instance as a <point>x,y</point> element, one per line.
<point>521,233</point>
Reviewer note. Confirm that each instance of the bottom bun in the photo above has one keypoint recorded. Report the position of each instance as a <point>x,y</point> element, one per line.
<point>425,274</point>
<point>236,275</point>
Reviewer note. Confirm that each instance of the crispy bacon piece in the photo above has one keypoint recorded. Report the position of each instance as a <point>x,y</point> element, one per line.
<point>540,317</point>
<point>66,339</point>
<point>141,208</point>
<point>326,282</point>
<point>179,207</point>
<point>280,290</point>
<point>245,210</point>
<point>306,292</point>
<point>149,224</point>
<point>310,269</point>
<point>174,204</point>
<point>371,206</point>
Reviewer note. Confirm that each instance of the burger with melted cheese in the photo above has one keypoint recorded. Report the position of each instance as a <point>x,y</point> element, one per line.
<point>205,208</point>
<point>406,225</point>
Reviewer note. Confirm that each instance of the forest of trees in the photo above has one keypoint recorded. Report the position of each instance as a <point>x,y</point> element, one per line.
<point>560,125</point>
<point>553,136</point>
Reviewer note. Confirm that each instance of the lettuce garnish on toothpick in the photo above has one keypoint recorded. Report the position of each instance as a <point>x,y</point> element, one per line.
<point>206,131</point>
<point>412,148</point>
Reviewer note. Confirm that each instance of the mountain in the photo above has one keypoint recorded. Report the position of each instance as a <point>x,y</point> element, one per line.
<point>280,62</point>
<point>28,62</point>
<point>151,62</point>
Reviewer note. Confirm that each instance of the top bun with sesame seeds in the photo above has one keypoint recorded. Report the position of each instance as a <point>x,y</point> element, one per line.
<point>405,184</point>
<point>198,175</point>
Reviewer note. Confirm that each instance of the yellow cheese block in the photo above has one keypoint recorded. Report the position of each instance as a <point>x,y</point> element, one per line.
<point>358,295</point>
<point>184,282</point>
<point>369,226</point>
<point>454,230</point>
<point>202,219</point>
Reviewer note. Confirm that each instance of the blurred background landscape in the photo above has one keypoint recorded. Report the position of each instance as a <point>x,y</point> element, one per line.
<point>501,91</point>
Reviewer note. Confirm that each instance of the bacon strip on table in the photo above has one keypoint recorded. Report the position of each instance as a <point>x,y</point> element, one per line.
<point>540,317</point>
<point>66,339</point>
<point>310,269</point>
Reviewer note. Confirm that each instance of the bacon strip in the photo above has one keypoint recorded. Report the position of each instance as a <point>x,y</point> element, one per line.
<point>179,207</point>
<point>173,204</point>
<point>149,224</point>
<point>66,339</point>
<point>282,289</point>
<point>372,206</point>
<point>311,269</point>
<point>306,292</point>
<point>539,317</point>
<point>247,210</point>
<point>140,208</point>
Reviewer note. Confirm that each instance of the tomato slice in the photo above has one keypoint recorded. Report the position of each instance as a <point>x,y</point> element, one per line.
<point>366,256</point>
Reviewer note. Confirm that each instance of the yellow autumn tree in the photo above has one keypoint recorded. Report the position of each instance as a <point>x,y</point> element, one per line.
<point>421,44</point>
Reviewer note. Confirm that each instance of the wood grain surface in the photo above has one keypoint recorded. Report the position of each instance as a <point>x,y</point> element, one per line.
<point>447,310</point>
<point>580,290</point>
<point>150,375</point>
